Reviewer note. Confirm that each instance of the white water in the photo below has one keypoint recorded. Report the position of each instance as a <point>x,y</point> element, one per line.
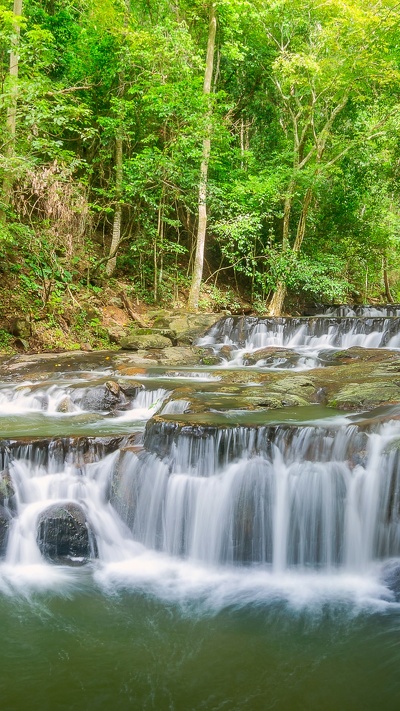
<point>318,508</point>
<point>49,400</point>
<point>305,514</point>
<point>305,337</point>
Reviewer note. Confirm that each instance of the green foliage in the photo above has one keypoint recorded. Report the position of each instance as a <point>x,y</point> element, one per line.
<point>304,165</point>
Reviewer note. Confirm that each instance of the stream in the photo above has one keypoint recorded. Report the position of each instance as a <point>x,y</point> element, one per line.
<point>171,540</point>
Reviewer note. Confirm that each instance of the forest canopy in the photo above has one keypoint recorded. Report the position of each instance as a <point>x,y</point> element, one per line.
<point>200,152</point>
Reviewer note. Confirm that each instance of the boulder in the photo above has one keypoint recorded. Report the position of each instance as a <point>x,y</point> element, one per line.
<point>187,327</point>
<point>20,327</point>
<point>64,535</point>
<point>103,398</point>
<point>5,519</point>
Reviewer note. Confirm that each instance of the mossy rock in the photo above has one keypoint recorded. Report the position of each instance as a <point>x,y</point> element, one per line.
<point>357,396</point>
<point>299,386</point>
<point>136,342</point>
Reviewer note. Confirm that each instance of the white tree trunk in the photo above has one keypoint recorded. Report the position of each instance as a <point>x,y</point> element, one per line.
<point>116,232</point>
<point>193,301</point>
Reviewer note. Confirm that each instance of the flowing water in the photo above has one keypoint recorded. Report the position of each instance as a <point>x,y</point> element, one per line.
<point>251,565</point>
<point>311,339</point>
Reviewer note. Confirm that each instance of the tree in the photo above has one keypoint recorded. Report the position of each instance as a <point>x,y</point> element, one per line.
<point>323,65</point>
<point>194,294</point>
<point>12,107</point>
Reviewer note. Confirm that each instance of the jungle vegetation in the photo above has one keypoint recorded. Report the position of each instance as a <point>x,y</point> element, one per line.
<point>199,153</point>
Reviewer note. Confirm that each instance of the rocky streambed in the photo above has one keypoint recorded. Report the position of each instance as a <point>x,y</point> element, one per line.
<point>62,416</point>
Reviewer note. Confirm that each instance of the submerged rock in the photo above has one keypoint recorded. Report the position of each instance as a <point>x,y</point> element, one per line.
<point>64,535</point>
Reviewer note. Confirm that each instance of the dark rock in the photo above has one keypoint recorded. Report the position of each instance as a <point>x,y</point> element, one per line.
<point>64,535</point>
<point>103,398</point>
<point>5,519</point>
<point>7,491</point>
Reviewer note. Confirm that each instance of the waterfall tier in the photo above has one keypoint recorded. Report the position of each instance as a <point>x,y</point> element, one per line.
<point>319,332</point>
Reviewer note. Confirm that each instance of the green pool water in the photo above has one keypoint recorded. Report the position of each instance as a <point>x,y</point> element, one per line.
<point>89,650</point>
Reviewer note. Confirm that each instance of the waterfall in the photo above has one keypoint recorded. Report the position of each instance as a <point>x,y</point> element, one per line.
<point>306,336</point>
<point>308,497</point>
<point>311,496</point>
<point>319,496</point>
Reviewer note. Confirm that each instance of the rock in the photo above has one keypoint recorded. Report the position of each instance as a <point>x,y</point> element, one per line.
<point>115,333</point>
<point>113,388</point>
<point>391,578</point>
<point>7,491</point>
<point>114,316</point>
<point>187,327</point>
<point>20,327</point>
<point>366,395</point>
<point>64,535</point>
<point>226,351</point>
<point>103,398</point>
<point>65,405</point>
<point>136,342</point>
<point>270,356</point>
<point>5,520</point>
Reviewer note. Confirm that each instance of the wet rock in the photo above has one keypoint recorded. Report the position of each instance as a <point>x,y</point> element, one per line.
<point>5,520</point>
<point>7,491</point>
<point>391,578</point>
<point>103,398</point>
<point>226,351</point>
<point>113,388</point>
<point>355,353</point>
<point>65,405</point>
<point>64,535</point>
<point>182,356</point>
<point>270,356</point>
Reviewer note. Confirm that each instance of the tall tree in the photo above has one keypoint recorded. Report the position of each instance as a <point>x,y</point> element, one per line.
<point>11,123</point>
<point>193,301</point>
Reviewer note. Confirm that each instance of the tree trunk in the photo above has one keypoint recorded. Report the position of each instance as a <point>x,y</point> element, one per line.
<point>386,281</point>
<point>287,209</point>
<point>116,231</point>
<point>11,123</point>
<point>276,304</point>
<point>193,301</point>
<point>301,225</point>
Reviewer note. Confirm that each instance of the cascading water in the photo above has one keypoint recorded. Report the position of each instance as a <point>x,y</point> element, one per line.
<point>309,338</point>
<point>125,525</point>
<point>278,496</point>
